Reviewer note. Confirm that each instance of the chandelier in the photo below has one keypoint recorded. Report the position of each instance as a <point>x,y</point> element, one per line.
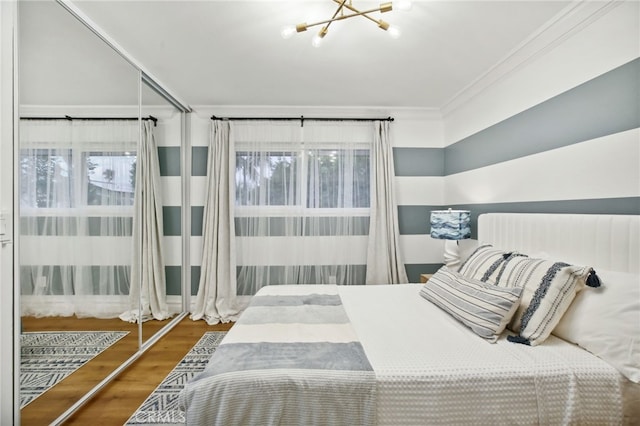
<point>341,14</point>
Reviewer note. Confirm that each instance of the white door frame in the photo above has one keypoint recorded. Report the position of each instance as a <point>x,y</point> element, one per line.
<point>9,334</point>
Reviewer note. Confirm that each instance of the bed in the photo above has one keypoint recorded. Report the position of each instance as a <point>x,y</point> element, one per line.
<point>395,355</point>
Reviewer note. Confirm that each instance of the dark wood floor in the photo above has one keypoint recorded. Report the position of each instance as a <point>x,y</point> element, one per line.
<point>120,399</point>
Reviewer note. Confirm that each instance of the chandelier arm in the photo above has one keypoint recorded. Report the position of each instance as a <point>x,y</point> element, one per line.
<point>385,7</point>
<point>340,18</point>
<point>340,6</point>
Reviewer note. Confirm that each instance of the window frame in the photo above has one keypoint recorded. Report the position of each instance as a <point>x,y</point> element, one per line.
<point>302,151</point>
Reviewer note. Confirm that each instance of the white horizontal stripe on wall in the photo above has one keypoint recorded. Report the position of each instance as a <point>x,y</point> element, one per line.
<point>172,250</point>
<point>168,130</point>
<point>419,190</point>
<point>421,248</point>
<point>603,45</point>
<point>414,249</point>
<point>171,190</point>
<point>198,190</point>
<point>605,167</point>
<point>199,130</point>
<point>195,250</point>
<point>304,250</point>
<point>49,250</point>
<point>411,133</point>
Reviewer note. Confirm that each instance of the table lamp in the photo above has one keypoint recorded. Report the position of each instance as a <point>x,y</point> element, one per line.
<point>451,225</point>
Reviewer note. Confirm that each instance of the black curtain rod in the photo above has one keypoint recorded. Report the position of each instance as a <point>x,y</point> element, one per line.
<point>69,118</point>
<point>301,118</point>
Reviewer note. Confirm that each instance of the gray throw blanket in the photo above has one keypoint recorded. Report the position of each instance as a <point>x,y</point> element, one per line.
<point>290,360</point>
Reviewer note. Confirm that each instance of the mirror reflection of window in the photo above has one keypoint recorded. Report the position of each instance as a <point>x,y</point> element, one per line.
<point>77,159</point>
<point>111,178</point>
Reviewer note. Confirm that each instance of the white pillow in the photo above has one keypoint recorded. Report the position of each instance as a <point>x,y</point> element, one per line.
<point>606,322</point>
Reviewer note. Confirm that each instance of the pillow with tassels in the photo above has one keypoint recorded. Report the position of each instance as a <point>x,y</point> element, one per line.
<point>548,287</point>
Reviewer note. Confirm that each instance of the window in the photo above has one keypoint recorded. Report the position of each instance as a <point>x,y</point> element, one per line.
<point>338,178</point>
<point>43,174</point>
<point>302,203</point>
<point>316,179</point>
<point>77,164</point>
<point>69,178</point>
<point>267,178</point>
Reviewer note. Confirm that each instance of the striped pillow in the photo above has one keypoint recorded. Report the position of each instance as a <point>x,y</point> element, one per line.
<point>484,308</point>
<point>548,289</point>
<point>485,263</point>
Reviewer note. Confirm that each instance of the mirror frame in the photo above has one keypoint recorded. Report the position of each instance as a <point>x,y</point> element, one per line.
<point>184,109</point>
<point>9,336</point>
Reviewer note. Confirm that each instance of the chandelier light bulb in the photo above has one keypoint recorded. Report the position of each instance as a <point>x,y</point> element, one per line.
<point>394,31</point>
<point>287,32</point>
<point>316,41</point>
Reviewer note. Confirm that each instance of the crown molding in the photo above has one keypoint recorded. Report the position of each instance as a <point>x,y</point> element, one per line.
<point>571,20</point>
<point>405,113</point>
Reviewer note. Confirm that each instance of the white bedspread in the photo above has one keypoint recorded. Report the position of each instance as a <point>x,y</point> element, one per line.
<point>432,370</point>
<point>425,369</point>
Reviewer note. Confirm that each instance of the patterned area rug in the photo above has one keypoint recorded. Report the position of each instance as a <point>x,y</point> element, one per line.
<point>47,358</point>
<point>161,407</point>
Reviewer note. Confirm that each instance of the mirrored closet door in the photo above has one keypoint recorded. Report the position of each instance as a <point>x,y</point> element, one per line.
<point>78,132</point>
<point>83,113</point>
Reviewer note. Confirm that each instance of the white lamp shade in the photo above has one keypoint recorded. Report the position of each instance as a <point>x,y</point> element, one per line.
<point>451,224</point>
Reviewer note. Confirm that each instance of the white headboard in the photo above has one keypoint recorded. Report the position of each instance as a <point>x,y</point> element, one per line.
<point>610,242</point>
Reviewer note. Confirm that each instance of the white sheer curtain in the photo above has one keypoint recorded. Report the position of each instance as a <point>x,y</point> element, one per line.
<point>148,295</point>
<point>302,202</point>
<point>216,299</point>
<point>76,208</point>
<point>384,260</point>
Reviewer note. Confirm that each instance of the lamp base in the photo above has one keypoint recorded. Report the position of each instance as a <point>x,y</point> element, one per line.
<point>451,254</point>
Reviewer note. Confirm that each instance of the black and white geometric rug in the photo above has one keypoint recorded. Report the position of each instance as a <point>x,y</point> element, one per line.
<point>161,407</point>
<point>47,358</point>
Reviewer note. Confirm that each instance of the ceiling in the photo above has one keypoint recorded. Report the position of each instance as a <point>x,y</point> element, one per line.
<point>231,52</point>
